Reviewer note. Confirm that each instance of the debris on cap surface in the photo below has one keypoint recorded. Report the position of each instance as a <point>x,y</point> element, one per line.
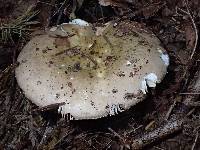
<point>96,75</point>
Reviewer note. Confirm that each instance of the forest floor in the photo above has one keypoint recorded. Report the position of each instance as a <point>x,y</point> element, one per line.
<point>168,119</point>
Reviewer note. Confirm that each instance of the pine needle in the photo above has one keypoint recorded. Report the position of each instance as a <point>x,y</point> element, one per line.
<point>19,28</point>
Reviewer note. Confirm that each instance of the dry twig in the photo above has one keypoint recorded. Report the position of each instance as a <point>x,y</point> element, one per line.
<point>190,93</point>
<point>168,128</point>
<point>119,136</point>
<point>170,110</point>
<point>48,132</point>
<point>59,142</point>
<point>60,11</point>
<point>116,134</point>
<point>194,26</point>
<point>195,141</point>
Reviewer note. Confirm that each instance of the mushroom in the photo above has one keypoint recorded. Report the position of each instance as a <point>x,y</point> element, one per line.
<point>95,72</point>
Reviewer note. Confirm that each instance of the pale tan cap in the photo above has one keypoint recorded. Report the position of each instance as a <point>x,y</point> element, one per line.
<point>95,76</point>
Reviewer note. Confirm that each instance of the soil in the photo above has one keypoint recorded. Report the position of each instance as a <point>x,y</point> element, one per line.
<point>25,126</point>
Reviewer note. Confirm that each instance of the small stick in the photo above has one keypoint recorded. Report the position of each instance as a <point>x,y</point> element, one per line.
<point>190,112</point>
<point>170,110</point>
<point>192,104</point>
<point>190,93</point>
<point>102,14</point>
<point>158,148</point>
<point>168,128</point>
<point>46,135</point>
<point>119,136</point>
<point>195,141</point>
<point>149,125</point>
<point>61,11</point>
<point>52,4</point>
<point>45,3</point>
<point>116,134</point>
<point>62,139</point>
<point>194,26</point>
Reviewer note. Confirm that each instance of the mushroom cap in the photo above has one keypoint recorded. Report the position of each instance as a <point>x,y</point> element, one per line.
<point>95,75</point>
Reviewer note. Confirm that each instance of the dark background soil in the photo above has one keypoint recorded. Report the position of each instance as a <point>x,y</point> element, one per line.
<point>24,126</point>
